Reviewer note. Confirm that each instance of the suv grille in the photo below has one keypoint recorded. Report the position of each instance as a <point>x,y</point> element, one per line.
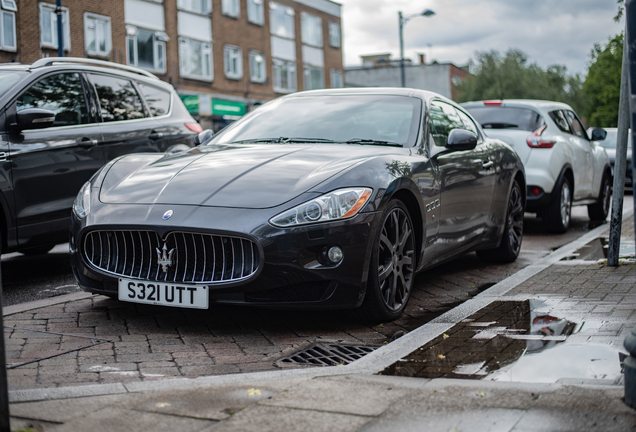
<point>195,257</point>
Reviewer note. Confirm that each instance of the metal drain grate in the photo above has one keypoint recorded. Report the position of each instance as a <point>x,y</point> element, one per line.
<point>329,354</point>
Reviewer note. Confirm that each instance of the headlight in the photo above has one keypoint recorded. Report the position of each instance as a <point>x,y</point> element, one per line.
<point>82,204</point>
<point>340,204</point>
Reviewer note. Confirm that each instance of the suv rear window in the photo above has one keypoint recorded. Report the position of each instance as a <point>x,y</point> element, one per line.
<point>506,118</point>
<point>158,100</point>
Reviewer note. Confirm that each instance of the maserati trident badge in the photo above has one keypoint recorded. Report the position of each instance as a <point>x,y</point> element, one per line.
<point>167,215</point>
<point>164,257</point>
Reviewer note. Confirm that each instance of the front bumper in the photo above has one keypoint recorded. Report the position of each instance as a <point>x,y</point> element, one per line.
<point>292,272</point>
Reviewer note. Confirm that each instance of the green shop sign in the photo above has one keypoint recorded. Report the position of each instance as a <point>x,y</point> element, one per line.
<point>202,105</point>
<point>223,107</point>
<point>191,102</point>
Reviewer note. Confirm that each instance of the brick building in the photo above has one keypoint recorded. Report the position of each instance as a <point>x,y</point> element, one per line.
<point>222,56</point>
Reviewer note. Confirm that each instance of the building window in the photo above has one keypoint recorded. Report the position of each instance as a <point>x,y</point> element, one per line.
<point>311,27</point>
<point>233,62</point>
<point>284,76</point>
<point>97,37</point>
<point>314,78</point>
<point>255,13</point>
<point>334,34</point>
<point>7,25</point>
<point>281,20</point>
<point>197,6</point>
<point>146,48</point>
<point>231,8</point>
<point>257,67</point>
<point>195,59</point>
<point>336,79</point>
<point>48,26</point>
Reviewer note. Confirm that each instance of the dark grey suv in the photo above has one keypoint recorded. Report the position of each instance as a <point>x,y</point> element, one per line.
<point>61,120</point>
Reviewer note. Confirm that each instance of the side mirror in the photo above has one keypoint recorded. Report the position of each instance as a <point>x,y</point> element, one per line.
<point>202,137</point>
<point>599,134</point>
<point>33,118</point>
<point>461,139</point>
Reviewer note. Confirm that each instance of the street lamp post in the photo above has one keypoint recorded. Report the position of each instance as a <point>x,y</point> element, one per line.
<point>403,20</point>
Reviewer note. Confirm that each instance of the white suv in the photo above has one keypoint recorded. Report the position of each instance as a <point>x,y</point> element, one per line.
<point>563,166</point>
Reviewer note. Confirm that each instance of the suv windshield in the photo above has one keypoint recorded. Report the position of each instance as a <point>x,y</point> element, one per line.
<point>357,119</point>
<point>506,118</point>
<point>8,79</point>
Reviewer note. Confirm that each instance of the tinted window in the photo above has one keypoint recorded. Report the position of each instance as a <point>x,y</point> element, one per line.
<point>339,118</point>
<point>62,94</point>
<point>577,127</point>
<point>444,118</point>
<point>559,118</point>
<point>468,122</point>
<point>506,118</point>
<point>158,101</point>
<point>118,98</point>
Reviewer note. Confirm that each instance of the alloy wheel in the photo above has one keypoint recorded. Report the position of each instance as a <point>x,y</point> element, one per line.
<point>565,204</point>
<point>515,219</point>
<point>395,259</point>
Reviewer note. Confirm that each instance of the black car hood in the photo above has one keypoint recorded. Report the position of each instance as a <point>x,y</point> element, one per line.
<point>246,176</point>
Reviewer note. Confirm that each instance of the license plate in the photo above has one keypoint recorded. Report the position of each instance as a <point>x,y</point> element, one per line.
<point>164,293</point>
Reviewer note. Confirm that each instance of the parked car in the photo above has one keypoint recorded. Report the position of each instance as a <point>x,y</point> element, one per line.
<point>563,166</point>
<point>320,199</point>
<point>62,119</point>
<point>609,144</point>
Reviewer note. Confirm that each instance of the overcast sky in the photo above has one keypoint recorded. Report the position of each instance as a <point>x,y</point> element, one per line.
<point>548,31</point>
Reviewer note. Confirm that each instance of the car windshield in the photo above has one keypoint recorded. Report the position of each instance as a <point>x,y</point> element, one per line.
<point>8,79</point>
<point>610,140</point>
<point>506,118</point>
<point>356,119</point>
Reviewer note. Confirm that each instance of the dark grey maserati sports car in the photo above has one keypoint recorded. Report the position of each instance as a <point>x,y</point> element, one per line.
<point>319,199</point>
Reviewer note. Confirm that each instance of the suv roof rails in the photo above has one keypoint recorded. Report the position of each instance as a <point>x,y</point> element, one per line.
<point>49,61</point>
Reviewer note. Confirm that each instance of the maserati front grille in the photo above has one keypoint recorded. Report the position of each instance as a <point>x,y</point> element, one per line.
<point>180,257</point>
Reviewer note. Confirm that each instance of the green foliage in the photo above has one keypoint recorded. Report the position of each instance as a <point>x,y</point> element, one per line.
<point>603,83</point>
<point>513,77</point>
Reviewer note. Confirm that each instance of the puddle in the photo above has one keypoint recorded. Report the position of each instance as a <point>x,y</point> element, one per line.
<point>597,250</point>
<point>511,341</point>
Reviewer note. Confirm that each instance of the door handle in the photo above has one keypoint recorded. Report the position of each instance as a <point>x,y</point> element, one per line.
<point>87,142</point>
<point>487,164</point>
<point>155,135</point>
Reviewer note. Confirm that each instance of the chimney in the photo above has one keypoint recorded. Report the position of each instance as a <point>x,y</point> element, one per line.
<point>422,59</point>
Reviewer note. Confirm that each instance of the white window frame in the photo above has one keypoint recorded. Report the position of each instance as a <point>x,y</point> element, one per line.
<point>334,34</point>
<point>49,7</point>
<point>185,52</point>
<point>231,8</point>
<point>287,12</point>
<point>230,53</point>
<point>334,73</point>
<point>95,18</point>
<point>9,8</point>
<point>291,76</point>
<point>256,12</point>
<point>307,21</point>
<point>186,5</point>
<point>158,46</point>
<point>258,69</point>
<point>306,72</point>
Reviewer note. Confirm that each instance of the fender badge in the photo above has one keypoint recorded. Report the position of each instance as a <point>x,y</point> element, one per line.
<point>167,215</point>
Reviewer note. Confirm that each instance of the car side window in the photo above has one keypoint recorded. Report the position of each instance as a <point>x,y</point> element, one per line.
<point>158,100</point>
<point>469,124</point>
<point>577,127</point>
<point>559,118</point>
<point>61,93</point>
<point>118,98</point>
<point>443,119</point>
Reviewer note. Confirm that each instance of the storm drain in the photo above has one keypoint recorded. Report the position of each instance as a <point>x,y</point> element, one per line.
<point>328,354</point>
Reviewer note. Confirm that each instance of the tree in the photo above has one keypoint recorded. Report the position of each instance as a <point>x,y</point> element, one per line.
<point>603,83</point>
<point>513,77</point>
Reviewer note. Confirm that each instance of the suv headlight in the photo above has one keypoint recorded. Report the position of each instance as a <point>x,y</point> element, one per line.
<point>339,204</point>
<point>82,204</point>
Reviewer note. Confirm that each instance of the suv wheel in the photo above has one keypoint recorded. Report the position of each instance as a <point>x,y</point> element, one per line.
<point>600,209</point>
<point>558,214</point>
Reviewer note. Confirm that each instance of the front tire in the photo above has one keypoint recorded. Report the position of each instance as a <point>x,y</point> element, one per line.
<point>510,245</point>
<point>559,212</point>
<point>600,209</point>
<point>392,267</point>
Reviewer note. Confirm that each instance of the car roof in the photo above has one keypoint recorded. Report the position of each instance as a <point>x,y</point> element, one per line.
<point>389,91</point>
<point>519,103</point>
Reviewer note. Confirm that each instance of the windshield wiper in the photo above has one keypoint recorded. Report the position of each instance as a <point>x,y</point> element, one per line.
<point>373,142</point>
<point>494,125</point>
<point>285,140</point>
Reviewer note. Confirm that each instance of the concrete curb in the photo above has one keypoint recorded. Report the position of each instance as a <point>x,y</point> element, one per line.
<point>51,301</point>
<point>371,363</point>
